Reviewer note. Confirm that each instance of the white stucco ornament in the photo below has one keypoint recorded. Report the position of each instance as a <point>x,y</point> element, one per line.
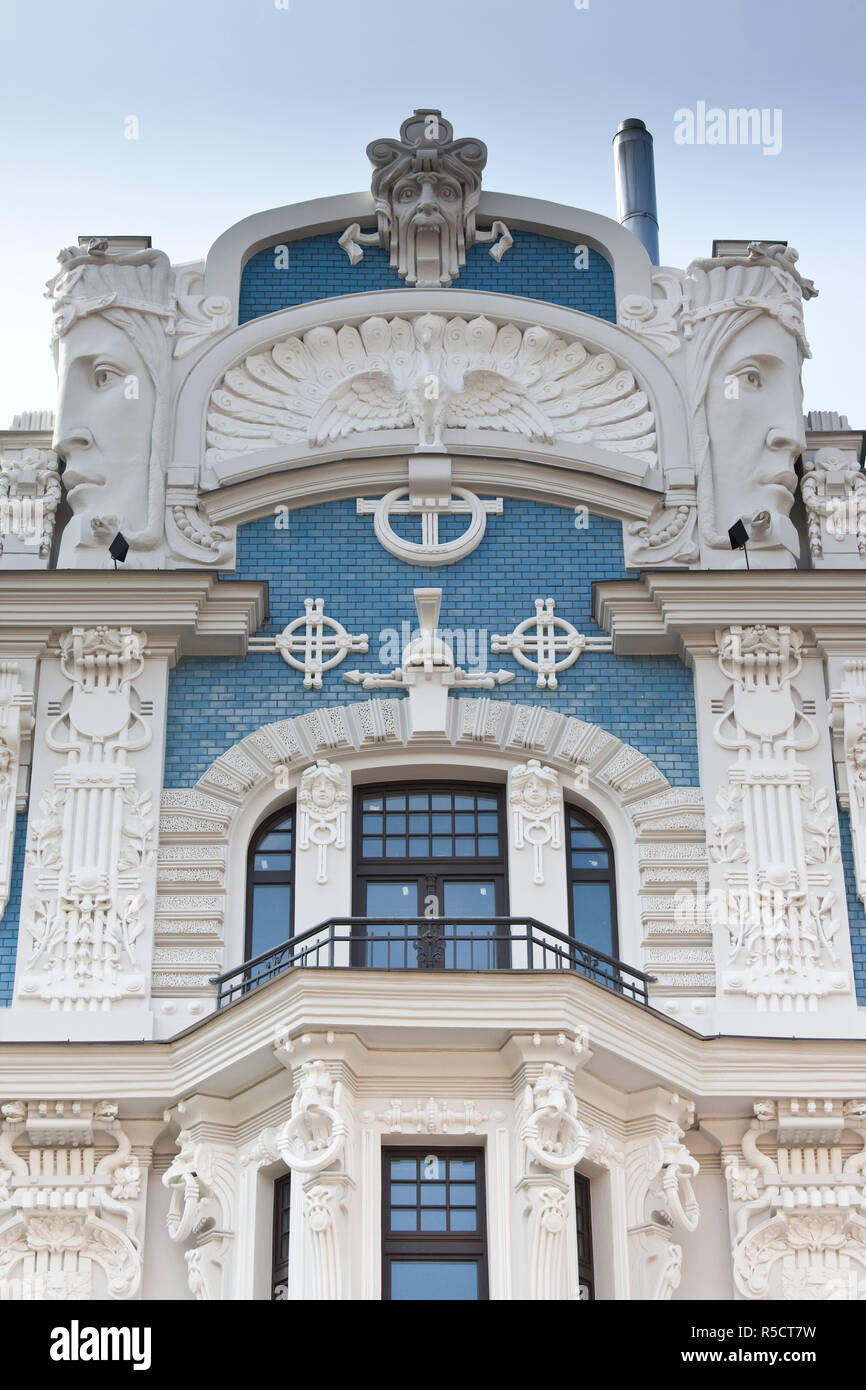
<point>796,1202</point>
<point>773,833</point>
<point>323,800</point>
<point>745,342</point>
<point>120,317</point>
<point>547,643</point>
<point>428,670</point>
<point>91,836</point>
<point>431,373</point>
<point>313,643</point>
<point>70,1214</point>
<point>535,797</point>
<point>426,187</point>
<point>554,1136</point>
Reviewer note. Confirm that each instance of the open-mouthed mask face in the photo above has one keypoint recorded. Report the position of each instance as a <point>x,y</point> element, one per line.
<point>754,408</point>
<point>103,432</point>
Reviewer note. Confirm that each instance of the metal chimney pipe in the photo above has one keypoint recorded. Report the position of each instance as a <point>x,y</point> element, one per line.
<point>636,184</point>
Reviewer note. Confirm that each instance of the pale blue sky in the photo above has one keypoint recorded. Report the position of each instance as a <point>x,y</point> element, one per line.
<point>243,106</point>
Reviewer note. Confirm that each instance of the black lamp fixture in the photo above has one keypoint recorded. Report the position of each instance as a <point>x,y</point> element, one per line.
<point>119,548</point>
<point>739,536</point>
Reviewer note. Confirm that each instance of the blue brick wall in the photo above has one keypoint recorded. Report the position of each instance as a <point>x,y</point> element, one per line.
<point>856,913</point>
<point>9,919</point>
<point>533,551</point>
<point>539,267</point>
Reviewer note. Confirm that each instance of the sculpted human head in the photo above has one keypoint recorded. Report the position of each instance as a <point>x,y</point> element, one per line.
<point>112,316</point>
<point>754,411</point>
<point>426,187</point>
<point>745,342</point>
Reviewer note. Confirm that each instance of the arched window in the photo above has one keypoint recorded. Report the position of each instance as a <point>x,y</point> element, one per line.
<point>270,883</point>
<point>591,883</point>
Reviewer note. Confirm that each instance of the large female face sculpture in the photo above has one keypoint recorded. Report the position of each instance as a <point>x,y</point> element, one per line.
<point>754,419</point>
<point>103,432</point>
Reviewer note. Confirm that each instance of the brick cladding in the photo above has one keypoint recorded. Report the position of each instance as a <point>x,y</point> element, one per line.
<point>533,551</point>
<point>538,267</point>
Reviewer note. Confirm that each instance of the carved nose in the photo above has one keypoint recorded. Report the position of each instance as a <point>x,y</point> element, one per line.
<point>426,205</point>
<point>778,439</point>
<point>76,437</point>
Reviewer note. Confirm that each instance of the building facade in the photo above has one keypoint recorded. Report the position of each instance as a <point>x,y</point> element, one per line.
<point>432,772</point>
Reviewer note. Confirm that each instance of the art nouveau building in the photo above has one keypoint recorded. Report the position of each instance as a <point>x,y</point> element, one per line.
<point>432,863</point>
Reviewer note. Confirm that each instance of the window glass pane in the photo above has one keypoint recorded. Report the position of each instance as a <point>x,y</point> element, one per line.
<point>395,824</point>
<point>461,1169</point>
<point>432,1194</point>
<point>456,1280</point>
<point>592,920</point>
<point>463,1220</point>
<point>405,1220</point>
<point>440,802</point>
<point>488,824</point>
<point>463,1194</point>
<point>464,824</point>
<point>373,803</point>
<point>442,848</point>
<point>487,803</point>
<point>589,859</point>
<point>395,801</point>
<point>418,848</point>
<point>373,849</point>
<point>464,847</point>
<point>403,1194</point>
<point>419,824</point>
<point>469,899</point>
<point>434,1220</point>
<point>488,845</point>
<point>273,863</point>
<point>442,825</point>
<point>280,839</point>
<point>464,803</point>
<point>372,825</point>
<point>404,1167</point>
<point>585,839</point>
<point>395,848</point>
<point>272,916</point>
<point>419,801</point>
<point>390,899</point>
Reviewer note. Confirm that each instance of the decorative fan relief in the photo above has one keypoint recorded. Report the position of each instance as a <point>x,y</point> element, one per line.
<point>431,373</point>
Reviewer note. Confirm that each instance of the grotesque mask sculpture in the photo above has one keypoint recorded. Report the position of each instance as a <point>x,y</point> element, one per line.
<point>426,187</point>
<point>745,342</point>
<point>113,314</point>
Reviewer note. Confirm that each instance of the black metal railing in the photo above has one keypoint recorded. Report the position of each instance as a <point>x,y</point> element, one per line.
<point>433,943</point>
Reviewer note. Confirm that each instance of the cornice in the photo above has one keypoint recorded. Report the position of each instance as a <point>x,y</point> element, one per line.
<point>678,611</point>
<point>300,485</point>
<point>183,612</point>
<point>633,1048</point>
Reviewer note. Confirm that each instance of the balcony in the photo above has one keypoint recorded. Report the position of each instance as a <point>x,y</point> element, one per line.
<point>433,943</point>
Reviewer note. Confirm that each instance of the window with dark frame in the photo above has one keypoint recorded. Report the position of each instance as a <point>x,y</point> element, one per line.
<point>591,883</point>
<point>270,884</point>
<point>280,1261</point>
<point>585,1274</point>
<point>435,850</point>
<point>434,1244</point>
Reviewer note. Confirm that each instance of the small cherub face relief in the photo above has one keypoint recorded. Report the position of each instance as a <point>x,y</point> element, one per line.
<point>103,432</point>
<point>754,408</point>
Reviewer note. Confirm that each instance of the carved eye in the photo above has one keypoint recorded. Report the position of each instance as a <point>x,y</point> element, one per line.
<point>751,377</point>
<point>103,376</point>
<point>447,193</point>
<point>407,193</point>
